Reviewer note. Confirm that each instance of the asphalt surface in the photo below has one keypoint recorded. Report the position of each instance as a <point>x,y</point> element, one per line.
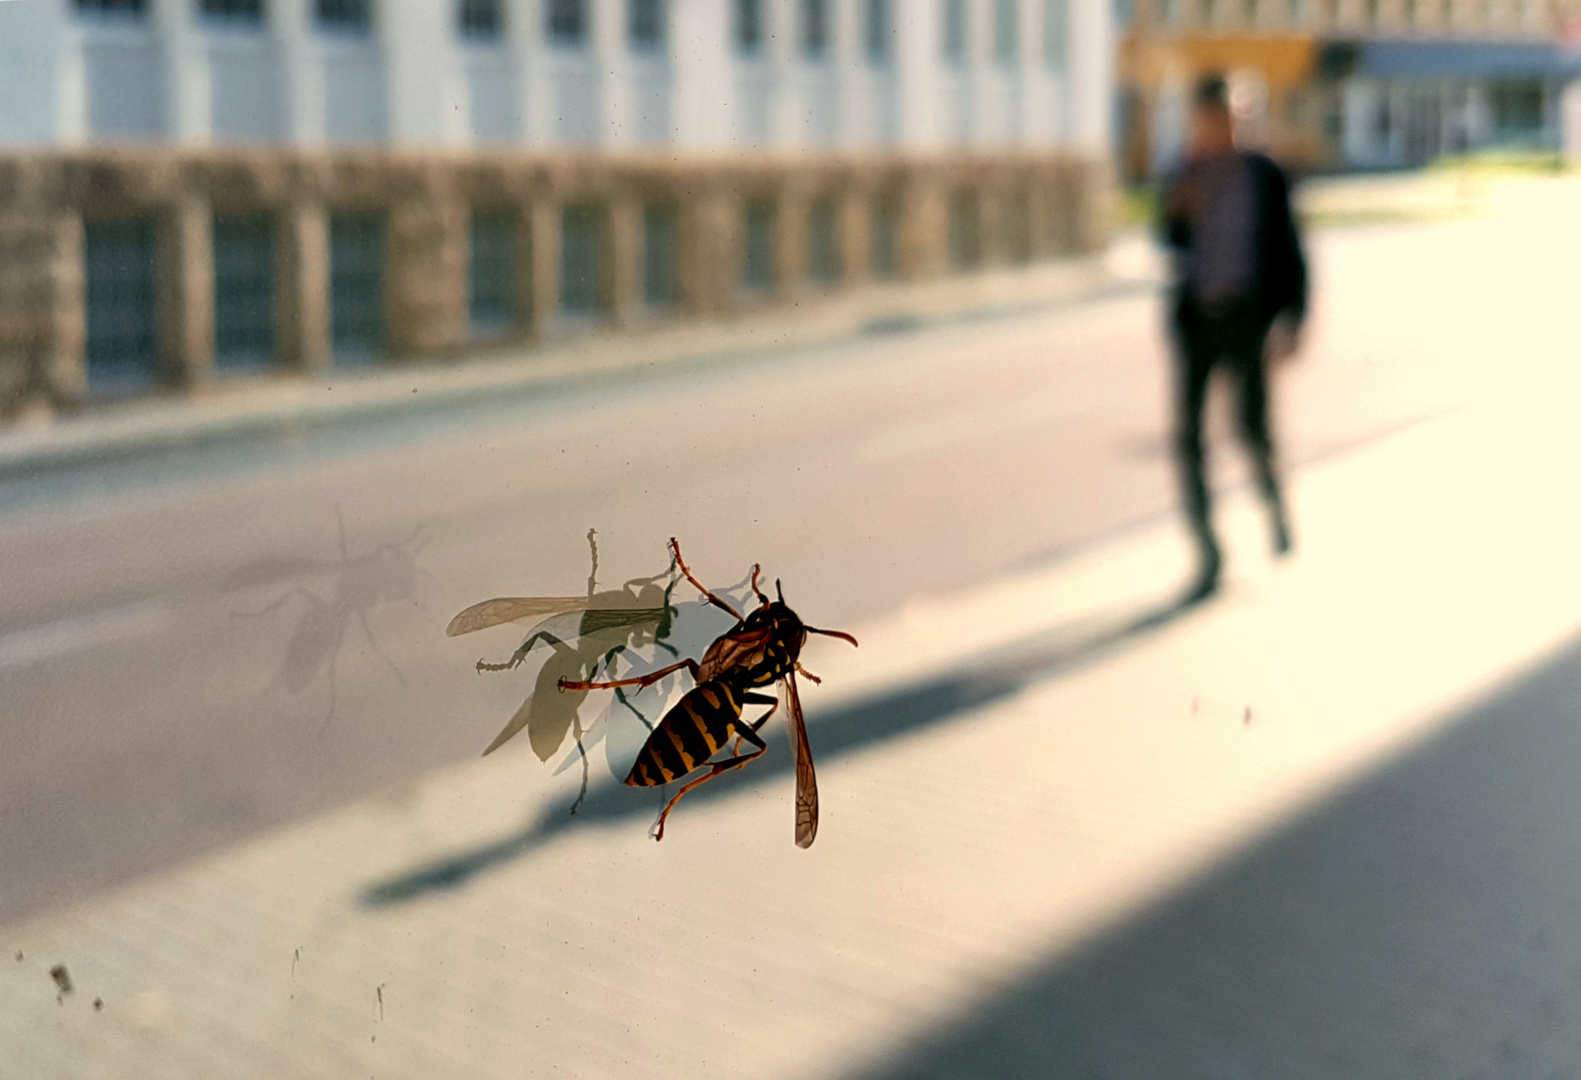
<point>189,656</point>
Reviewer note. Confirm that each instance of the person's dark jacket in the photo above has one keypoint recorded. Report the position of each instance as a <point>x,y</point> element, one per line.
<point>1279,273</point>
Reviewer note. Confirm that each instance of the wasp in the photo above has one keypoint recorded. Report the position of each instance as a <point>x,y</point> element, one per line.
<point>584,634</point>
<point>763,647</point>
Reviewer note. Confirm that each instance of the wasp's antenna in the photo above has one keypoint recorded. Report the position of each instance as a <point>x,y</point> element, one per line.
<point>592,577</point>
<point>841,634</point>
<point>778,589</point>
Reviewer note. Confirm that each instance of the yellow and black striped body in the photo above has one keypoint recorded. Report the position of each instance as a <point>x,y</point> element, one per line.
<point>690,733</point>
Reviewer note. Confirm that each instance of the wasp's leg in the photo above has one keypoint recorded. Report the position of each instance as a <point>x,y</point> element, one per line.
<point>576,731</point>
<point>640,680</point>
<point>675,550</point>
<point>303,593</point>
<point>757,699</point>
<point>520,654</point>
<point>807,674</point>
<point>756,573</point>
<point>751,735</point>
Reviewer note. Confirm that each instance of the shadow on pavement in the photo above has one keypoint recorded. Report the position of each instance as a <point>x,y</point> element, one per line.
<point>1424,922</point>
<point>835,733</point>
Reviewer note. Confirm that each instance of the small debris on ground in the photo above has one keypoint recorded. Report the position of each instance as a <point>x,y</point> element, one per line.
<point>1246,717</point>
<point>62,978</point>
<point>98,1004</point>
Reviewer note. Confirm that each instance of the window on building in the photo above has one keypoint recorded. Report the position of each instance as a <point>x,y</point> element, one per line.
<point>232,11</point>
<point>749,26</point>
<point>1249,12</point>
<point>568,22</point>
<point>645,23</point>
<point>121,299</point>
<point>1016,228</point>
<point>133,8</point>
<point>243,292</point>
<point>886,238</point>
<point>1446,13</point>
<point>757,246</point>
<point>491,271</point>
<point>880,28</point>
<point>1370,13</point>
<point>1056,28</point>
<point>661,255</point>
<point>481,20</point>
<point>814,28</point>
<point>823,241</point>
<point>966,244</point>
<point>356,285</point>
<point>1298,13</point>
<point>955,39</point>
<point>352,15</point>
<point>1007,31</point>
<point>582,259</point>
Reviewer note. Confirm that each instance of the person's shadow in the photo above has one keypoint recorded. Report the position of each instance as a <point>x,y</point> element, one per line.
<point>890,715</point>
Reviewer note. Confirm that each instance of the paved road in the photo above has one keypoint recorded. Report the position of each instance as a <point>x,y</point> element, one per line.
<point>188,656</point>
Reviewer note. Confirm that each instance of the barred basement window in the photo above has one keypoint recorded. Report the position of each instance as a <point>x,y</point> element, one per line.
<point>757,246</point>
<point>356,284</point>
<point>243,292</point>
<point>886,238</point>
<point>118,264</point>
<point>823,251</point>
<point>661,255</point>
<point>492,271</point>
<point>582,259</point>
<point>965,230</point>
<point>481,20</point>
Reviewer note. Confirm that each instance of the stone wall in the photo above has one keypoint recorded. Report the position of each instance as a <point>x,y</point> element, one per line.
<point>947,214</point>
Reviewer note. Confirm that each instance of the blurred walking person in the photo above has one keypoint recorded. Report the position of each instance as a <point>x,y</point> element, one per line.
<point>1239,300</point>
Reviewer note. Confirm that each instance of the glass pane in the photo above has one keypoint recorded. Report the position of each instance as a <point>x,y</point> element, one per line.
<point>244,270</point>
<point>661,249</point>
<point>356,286</point>
<point>581,259</point>
<point>492,272</point>
<point>122,304</point>
<point>757,248</point>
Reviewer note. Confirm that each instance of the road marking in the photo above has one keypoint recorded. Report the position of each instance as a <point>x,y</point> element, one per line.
<point>46,641</point>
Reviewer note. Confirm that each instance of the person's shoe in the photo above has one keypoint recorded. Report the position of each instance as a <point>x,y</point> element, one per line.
<point>1206,583</point>
<point>1282,543</point>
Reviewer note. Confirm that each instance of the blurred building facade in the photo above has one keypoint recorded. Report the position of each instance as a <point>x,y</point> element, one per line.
<point>1337,84</point>
<point>195,187</point>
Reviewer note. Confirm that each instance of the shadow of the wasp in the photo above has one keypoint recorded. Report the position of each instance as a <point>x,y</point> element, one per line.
<point>386,575</point>
<point>839,732</point>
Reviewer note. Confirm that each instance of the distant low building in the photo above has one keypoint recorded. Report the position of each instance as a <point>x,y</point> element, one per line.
<point>1350,84</point>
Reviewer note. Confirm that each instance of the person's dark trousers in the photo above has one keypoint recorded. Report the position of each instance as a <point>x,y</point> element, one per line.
<point>1230,338</point>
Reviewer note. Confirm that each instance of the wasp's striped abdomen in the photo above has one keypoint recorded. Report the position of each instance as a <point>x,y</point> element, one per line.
<point>690,733</point>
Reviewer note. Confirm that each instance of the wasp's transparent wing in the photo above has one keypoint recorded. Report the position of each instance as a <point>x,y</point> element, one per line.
<point>504,609</point>
<point>806,782</point>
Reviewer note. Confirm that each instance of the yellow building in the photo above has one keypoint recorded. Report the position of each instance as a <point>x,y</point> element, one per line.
<point>1327,84</point>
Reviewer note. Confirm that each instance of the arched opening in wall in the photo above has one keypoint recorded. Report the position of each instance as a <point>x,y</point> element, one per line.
<point>758,220</point>
<point>122,305</point>
<point>356,286</point>
<point>966,241</point>
<point>661,255</point>
<point>823,242</point>
<point>584,260</point>
<point>886,237</point>
<point>244,292</point>
<point>492,287</point>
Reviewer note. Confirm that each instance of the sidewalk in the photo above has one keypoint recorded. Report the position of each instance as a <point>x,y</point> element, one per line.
<point>1004,775</point>
<point>242,406</point>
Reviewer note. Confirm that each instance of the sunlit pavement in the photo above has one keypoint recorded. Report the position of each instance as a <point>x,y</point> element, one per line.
<point>1055,761</point>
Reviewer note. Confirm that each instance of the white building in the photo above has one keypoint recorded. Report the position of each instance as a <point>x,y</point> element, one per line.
<point>695,75</point>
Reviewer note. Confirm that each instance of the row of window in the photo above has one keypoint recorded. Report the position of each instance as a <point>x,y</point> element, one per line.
<point>1428,14</point>
<point>568,23</point>
<point>121,289</point>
